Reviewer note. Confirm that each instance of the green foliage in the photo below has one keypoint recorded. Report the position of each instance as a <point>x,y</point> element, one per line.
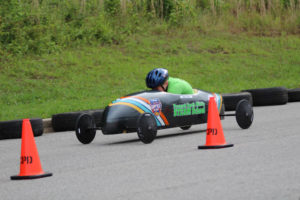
<point>62,55</point>
<point>168,6</point>
<point>160,8</point>
<point>49,26</point>
<point>183,11</point>
<point>91,76</point>
<point>112,7</point>
<point>285,3</point>
<point>203,4</point>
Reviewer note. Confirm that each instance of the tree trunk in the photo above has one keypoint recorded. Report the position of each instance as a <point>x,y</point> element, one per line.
<point>270,6</point>
<point>262,7</point>
<point>123,6</point>
<point>213,8</point>
<point>82,6</point>
<point>277,5</point>
<point>251,4</point>
<point>238,8</point>
<point>292,5</point>
<point>153,7</point>
<point>36,3</point>
<point>101,3</point>
<point>162,9</point>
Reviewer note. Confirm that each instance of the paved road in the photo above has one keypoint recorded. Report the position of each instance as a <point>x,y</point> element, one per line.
<point>263,164</point>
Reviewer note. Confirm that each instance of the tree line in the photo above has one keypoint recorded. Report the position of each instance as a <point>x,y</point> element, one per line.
<point>46,26</point>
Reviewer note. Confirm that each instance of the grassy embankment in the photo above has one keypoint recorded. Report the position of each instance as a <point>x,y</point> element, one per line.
<point>214,57</point>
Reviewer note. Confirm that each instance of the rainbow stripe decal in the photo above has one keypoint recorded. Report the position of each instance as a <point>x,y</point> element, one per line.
<point>142,105</point>
<point>219,101</point>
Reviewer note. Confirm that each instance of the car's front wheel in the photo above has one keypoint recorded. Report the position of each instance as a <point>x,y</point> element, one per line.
<point>85,128</point>
<point>146,128</point>
<point>244,114</point>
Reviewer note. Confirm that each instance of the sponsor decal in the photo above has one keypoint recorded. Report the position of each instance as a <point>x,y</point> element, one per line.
<point>156,106</point>
<point>194,108</point>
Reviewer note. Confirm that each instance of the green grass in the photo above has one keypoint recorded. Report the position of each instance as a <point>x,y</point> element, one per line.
<point>90,77</point>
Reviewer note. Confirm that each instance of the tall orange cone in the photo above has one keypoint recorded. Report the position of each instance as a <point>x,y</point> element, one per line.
<point>214,132</point>
<point>30,166</point>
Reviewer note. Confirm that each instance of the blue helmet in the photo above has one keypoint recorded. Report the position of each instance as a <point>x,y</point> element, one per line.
<point>156,77</point>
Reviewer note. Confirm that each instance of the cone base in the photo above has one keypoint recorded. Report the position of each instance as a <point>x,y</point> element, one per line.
<point>215,146</point>
<point>17,177</point>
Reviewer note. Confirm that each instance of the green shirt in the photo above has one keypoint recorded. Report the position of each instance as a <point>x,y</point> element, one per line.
<point>179,86</point>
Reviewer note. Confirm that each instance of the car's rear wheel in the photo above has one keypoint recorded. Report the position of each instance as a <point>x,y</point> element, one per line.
<point>244,114</point>
<point>146,128</point>
<point>85,128</point>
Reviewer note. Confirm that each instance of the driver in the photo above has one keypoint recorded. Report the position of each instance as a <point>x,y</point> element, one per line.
<point>158,79</point>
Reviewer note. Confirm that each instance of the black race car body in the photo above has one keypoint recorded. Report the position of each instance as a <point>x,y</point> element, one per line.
<point>146,112</point>
<point>169,110</point>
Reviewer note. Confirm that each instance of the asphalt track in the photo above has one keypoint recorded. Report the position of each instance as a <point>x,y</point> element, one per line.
<point>263,164</point>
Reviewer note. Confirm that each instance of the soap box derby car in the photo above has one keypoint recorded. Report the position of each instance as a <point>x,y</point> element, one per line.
<point>147,111</point>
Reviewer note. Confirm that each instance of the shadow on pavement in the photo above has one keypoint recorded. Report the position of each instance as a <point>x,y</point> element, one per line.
<point>160,136</point>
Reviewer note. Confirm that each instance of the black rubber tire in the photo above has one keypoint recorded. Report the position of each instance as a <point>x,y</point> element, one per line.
<point>85,128</point>
<point>186,127</point>
<point>13,129</point>
<point>146,128</point>
<point>269,96</point>
<point>67,121</point>
<point>232,99</point>
<point>244,114</point>
<point>294,95</point>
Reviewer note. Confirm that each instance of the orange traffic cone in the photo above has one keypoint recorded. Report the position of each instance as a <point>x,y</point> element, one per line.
<point>214,132</point>
<point>30,166</point>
